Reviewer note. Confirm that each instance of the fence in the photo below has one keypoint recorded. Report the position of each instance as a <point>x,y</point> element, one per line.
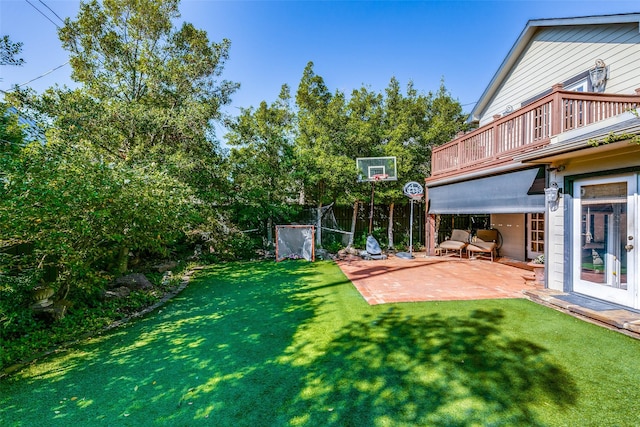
<point>401,221</point>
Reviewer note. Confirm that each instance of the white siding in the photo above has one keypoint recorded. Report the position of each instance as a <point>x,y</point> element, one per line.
<point>628,155</point>
<point>557,54</point>
<point>554,261</point>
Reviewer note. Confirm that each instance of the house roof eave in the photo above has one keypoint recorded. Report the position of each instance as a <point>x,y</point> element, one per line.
<point>525,37</point>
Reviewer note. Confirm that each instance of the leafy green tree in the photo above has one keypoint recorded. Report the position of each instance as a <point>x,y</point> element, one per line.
<point>9,51</point>
<point>363,135</point>
<point>130,162</point>
<point>76,210</point>
<point>414,124</point>
<point>262,164</point>
<point>326,170</point>
<point>149,90</point>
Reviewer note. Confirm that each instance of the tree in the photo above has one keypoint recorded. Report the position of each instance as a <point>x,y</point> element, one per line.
<point>9,51</point>
<point>327,142</point>
<point>262,164</point>
<point>149,90</point>
<point>130,162</point>
<point>415,123</point>
<point>363,135</point>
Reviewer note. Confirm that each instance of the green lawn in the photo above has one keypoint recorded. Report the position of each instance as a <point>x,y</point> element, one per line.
<point>293,343</point>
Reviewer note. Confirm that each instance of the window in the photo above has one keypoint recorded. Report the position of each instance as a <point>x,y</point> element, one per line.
<point>579,83</point>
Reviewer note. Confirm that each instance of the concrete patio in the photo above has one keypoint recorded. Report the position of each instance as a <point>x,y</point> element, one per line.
<point>449,278</point>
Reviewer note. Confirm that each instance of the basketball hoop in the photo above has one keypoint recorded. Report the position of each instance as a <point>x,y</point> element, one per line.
<point>380,177</point>
<point>413,190</point>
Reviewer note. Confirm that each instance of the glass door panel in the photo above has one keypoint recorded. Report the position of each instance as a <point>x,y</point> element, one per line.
<point>601,255</point>
<point>535,225</point>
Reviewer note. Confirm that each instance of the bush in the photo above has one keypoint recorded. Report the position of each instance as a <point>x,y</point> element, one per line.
<point>23,335</point>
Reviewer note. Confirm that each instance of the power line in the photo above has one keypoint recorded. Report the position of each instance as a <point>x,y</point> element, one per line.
<point>43,14</point>
<point>36,78</point>
<point>52,11</point>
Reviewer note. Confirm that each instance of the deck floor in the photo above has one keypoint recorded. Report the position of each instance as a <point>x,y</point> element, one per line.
<point>449,278</point>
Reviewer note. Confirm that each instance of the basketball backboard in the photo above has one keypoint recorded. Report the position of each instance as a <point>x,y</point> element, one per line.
<point>376,169</point>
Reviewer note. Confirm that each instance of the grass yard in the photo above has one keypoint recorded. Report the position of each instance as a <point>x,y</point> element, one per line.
<point>294,344</point>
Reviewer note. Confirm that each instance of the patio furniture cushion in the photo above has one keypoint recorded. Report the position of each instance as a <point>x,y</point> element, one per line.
<point>459,240</point>
<point>485,242</point>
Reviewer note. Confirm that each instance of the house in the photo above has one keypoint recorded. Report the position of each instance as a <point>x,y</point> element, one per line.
<point>558,118</point>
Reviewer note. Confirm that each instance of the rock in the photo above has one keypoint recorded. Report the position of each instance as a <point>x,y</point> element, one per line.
<point>134,281</point>
<point>170,265</point>
<point>373,247</point>
<point>119,292</point>
<point>322,254</point>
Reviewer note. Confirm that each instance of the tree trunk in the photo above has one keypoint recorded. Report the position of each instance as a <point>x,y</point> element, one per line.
<point>354,220</point>
<point>122,263</point>
<point>319,226</point>
<point>390,230</point>
<point>270,232</point>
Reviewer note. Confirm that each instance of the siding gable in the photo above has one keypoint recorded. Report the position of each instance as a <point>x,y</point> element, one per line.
<point>556,54</point>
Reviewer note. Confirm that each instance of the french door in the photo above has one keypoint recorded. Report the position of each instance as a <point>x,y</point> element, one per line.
<point>605,236</point>
<point>535,227</point>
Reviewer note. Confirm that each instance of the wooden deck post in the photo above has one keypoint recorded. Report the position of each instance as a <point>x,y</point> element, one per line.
<point>556,110</point>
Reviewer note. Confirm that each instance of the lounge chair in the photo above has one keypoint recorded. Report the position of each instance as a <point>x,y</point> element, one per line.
<point>486,242</point>
<point>458,241</point>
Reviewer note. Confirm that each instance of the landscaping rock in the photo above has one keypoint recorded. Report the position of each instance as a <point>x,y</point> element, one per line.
<point>119,292</point>
<point>373,247</point>
<point>170,265</point>
<point>322,254</point>
<point>134,282</point>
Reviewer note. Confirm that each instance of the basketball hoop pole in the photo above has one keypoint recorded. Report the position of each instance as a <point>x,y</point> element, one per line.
<point>373,186</point>
<point>411,230</point>
<point>414,191</point>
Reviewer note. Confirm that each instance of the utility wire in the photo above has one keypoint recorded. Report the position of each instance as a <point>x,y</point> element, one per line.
<point>36,78</point>
<point>53,69</point>
<point>43,14</point>
<point>52,11</point>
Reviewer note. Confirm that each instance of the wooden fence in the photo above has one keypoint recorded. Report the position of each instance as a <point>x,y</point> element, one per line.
<point>401,221</point>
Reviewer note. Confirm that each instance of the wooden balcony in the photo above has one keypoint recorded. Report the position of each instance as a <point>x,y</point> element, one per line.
<point>526,129</point>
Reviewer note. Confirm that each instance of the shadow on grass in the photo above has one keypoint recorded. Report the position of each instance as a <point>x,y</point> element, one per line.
<point>430,370</point>
<point>290,344</point>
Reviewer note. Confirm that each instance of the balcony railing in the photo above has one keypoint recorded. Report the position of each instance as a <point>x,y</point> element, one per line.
<point>526,129</point>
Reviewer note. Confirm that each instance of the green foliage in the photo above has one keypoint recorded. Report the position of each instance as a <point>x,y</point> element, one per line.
<point>262,165</point>
<point>614,137</point>
<point>326,170</point>
<point>333,247</point>
<point>78,210</point>
<point>130,163</point>
<point>23,334</point>
<point>9,51</point>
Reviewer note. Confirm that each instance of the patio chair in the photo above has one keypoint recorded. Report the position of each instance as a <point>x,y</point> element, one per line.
<point>486,242</point>
<point>458,242</point>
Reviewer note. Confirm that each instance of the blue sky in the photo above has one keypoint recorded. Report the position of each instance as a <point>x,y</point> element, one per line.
<point>352,43</point>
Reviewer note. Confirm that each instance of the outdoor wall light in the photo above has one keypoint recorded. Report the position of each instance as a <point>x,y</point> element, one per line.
<point>552,196</point>
<point>599,74</point>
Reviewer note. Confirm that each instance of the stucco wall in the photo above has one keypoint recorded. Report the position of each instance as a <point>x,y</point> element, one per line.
<point>512,229</point>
